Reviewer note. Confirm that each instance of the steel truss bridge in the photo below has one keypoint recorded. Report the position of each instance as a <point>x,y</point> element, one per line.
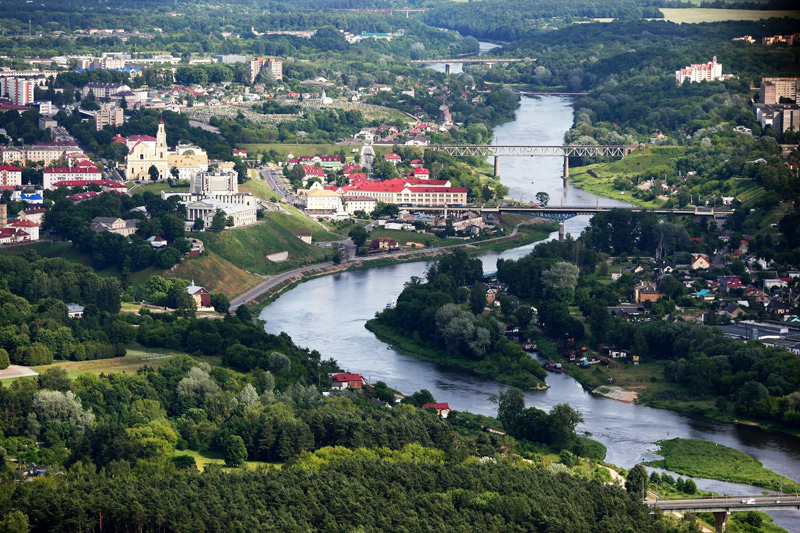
<point>573,150</point>
<point>562,213</point>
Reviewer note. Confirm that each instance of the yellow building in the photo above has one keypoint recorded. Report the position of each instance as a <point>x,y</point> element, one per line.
<point>145,151</point>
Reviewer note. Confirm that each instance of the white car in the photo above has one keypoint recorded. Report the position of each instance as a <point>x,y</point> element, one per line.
<point>751,501</point>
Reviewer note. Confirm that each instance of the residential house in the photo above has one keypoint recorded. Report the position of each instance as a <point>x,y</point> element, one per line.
<point>777,306</point>
<point>646,292</point>
<point>732,310</point>
<point>383,244</point>
<point>393,158</point>
<point>34,214</point>
<point>616,353</point>
<point>157,242</point>
<point>629,313</point>
<point>28,226</point>
<point>728,283</point>
<point>10,176</point>
<point>114,225</point>
<point>705,295</point>
<point>342,381</point>
<point>74,311</point>
<point>700,262</point>
<point>442,409</point>
<point>201,296</point>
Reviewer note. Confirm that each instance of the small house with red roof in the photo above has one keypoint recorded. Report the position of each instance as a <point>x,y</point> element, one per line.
<point>13,235</point>
<point>342,380</point>
<point>442,409</point>
<point>200,295</point>
<point>422,173</point>
<point>30,227</point>
<point>313,172</point>
<point>393,158</point>
<point>240,153</point>
<point>416,163</point>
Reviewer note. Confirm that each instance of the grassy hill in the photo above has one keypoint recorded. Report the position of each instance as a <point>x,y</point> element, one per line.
<point>247,248</point>
<point>599,178</point>
<point>215,274</point>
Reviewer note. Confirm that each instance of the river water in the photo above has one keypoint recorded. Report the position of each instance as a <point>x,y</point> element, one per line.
<point>328,314</point>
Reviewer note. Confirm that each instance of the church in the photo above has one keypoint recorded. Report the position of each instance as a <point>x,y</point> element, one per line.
<point>145,151</point>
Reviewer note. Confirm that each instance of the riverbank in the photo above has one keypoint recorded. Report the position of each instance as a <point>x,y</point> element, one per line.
<point>703,459</point>
<point>426,351</point>
<point>523,233</point>
<point>645,384</point>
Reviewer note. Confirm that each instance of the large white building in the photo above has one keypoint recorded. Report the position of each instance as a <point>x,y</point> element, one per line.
<point>103,90</point>
<point>205,209</point>
<point>215,182</point>
<point>274,65</point>
<point>54,175</point>
<point>19,90</point>
<point>10,176</point>
<point>710,71</point>
<point>323,203</point>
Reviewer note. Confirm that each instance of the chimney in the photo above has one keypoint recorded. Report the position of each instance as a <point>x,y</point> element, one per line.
<point>3,212</point>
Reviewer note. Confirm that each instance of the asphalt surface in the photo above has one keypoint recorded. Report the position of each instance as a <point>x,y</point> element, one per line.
<point>263,287</point>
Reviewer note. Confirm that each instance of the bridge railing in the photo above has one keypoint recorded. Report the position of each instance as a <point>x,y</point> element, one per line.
<point>574,150</point>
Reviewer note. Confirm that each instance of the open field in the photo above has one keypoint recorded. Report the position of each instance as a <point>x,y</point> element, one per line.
<point>295,149</point>
<point>215,274</point>
<point>247,247</point>
<point>203,459</point>
<point>128,364</point>
<point>698,14</point>
<point>699,458</point>
<point>598,178</point>
<point>299,222</point>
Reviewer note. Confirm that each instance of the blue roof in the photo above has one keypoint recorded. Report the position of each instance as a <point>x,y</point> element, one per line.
<point>34,196</point>
<point>703,292</point>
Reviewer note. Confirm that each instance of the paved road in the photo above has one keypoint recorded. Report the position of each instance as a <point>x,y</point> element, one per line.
<point>276,183</point>
<point>263,287</point>
<point>743,503</point>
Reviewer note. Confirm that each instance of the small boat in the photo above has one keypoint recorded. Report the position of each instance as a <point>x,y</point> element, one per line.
<point>553,367</point>
<point>529,346</point>
<point>392,304</point>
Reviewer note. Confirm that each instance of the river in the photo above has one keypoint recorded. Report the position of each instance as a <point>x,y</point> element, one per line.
<point>328,314</point>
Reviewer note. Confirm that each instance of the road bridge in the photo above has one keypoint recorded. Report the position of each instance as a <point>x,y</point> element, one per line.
<point>489,61</point>
<point>565,151</point>
<point>722,507</point>
<point>561,213</point>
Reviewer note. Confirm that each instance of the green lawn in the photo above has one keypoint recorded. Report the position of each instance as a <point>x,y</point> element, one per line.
<point>299,222</point>
<point>599,178</point>
<point>204,459</point>
<point>215,274</point>
<point>699,458</point>
<point>296,149</point>
<point>247,248</point>
<point>258,188</point>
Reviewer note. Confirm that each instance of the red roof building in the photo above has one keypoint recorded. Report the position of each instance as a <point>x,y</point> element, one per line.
<point>342,381</point>
<point>442,409</point>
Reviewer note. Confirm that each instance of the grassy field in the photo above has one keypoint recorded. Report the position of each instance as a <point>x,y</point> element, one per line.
<point>247,248</point>
<point>204,459</point>
<point>136,358</point>
<point>299,222</point>
<point>297,149</point>
<point>697,14</point>
<point>598,178</point>
<point>699,458</point>
<point>258,187</point>
<point>215,274</point>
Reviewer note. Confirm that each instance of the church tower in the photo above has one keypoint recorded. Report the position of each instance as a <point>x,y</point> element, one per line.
<point>161,141</point>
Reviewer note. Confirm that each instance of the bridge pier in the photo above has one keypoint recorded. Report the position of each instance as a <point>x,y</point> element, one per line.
<point>720,519</point>
<point>560,232</point>
<point>565,177</point>
<point>447,68</point>
<point>496,166</point>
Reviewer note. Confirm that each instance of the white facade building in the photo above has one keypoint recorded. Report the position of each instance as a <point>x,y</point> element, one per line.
<point>710,71</point>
